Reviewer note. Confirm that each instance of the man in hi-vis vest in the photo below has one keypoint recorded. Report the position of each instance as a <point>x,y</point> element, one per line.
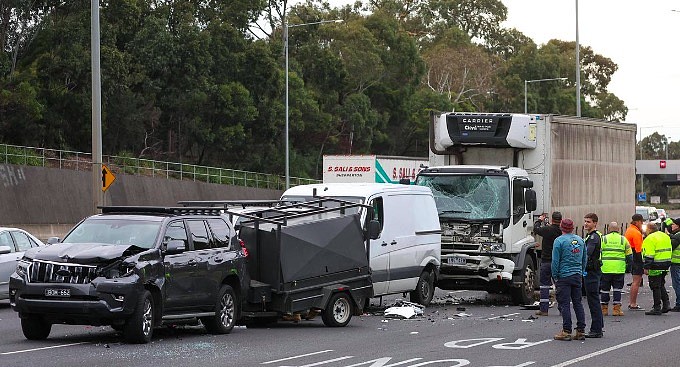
<point>616,252</point>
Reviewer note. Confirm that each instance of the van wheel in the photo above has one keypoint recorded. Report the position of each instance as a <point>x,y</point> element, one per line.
<point>225,313</point>
<point>338,312</point>
<point>35,328</point>
<point>138,328</point>
<point>524,295</point>
<point>424,289</point>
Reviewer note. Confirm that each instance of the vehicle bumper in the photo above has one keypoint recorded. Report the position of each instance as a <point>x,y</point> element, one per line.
<point>101,302</point>
<point>478,272</point>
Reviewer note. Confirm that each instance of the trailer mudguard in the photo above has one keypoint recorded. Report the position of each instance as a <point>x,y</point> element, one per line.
<point>358,296</point>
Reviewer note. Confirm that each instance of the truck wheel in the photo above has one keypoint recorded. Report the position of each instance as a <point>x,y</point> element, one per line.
<point>35,328</point>
<point>524,295</point>
<point>225,313</point>
<point>424,289</point>
<point>138,328</point>
<point>338,312</point>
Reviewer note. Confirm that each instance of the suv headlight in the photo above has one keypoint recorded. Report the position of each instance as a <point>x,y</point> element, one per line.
<point>22,268</point>
<point>493,247</point>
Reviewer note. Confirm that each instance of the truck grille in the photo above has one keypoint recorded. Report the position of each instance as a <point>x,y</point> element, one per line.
<point>53,272</point>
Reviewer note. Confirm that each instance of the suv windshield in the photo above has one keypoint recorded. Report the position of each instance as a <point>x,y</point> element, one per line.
<point>141,233</point>
<point>469,197</point>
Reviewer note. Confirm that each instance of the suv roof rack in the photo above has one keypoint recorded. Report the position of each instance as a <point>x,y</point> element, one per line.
<point>161,210</point>
<point>227,203</point>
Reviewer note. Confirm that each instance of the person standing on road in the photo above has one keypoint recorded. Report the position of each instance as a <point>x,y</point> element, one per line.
<point>675,261</point>
<point>593,274</point>
<point>634,237</point>
<point>616,252</point>
<point>549,234</point>
<point>656,250</point>
<point>568,264</point>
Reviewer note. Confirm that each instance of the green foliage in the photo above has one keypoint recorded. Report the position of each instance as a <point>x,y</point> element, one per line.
<point>203,82</point>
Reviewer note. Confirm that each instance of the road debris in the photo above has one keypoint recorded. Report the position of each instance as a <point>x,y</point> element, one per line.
<point>404,310</point>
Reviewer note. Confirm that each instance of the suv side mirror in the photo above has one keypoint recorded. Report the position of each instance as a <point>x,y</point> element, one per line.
<point>5,250</point>
<point>175,247</point>
<point>53,240</point>
<point>530,200</point>
<point>374,229</point>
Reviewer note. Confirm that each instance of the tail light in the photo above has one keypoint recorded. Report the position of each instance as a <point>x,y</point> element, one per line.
<point>243,248</point>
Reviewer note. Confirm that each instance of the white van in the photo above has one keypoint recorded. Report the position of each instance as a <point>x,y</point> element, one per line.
<point>406,256</point>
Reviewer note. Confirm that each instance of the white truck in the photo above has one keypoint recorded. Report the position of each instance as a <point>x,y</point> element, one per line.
<point>370,168</point>
<point>493,174</point>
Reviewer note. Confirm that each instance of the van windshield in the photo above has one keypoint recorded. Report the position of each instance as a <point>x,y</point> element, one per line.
<point>469,197</point>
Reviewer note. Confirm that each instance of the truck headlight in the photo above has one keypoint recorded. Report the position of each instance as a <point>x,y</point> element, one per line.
<point>493,247</point>
<point>22,268</point>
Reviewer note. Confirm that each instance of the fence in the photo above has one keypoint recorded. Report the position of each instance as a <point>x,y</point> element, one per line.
<point>80,161</point>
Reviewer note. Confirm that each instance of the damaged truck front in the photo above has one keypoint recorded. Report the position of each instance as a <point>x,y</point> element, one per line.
<point>133,268</point>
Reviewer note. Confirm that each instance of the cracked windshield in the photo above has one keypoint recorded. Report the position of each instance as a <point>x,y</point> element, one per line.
<point>470,197</point>
<point>116,232</point>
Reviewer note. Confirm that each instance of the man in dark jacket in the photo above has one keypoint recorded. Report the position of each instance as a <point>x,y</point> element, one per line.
<point>593,274</point>
<point>549,234</point>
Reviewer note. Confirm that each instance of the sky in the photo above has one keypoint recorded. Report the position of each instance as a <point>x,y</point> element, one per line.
<point>641,37</point>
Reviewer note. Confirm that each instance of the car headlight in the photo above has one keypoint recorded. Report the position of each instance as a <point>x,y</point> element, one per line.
<point>493,247</point>
<point>22,268</point>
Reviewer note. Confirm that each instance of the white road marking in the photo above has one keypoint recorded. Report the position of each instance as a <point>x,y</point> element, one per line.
<point>503,316</point>
<point>325,362</point>
<point>615,347</point>
<point>300,356</point>
<point>43,348</point>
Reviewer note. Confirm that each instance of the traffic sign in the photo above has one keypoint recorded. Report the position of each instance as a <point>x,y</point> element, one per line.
<point>642,196</point>
<point>107,177</point>
<point>662,164</point>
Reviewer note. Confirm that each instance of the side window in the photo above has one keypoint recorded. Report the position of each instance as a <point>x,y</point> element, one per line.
<point>176,231</point>
<point>6,240</point>
<point>517,201</point>
<point>22,241</point>
<point>377,212</point>
<point>220,231</point>
<point>199,234</point>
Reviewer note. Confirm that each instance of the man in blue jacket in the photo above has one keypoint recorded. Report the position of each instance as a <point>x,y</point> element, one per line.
<point>568,265</point>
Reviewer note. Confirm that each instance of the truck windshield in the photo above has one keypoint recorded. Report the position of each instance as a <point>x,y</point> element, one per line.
<point>469,197</point>
<point>140,233</point>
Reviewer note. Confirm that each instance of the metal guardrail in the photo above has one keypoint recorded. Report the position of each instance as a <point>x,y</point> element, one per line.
<point>80,161</point>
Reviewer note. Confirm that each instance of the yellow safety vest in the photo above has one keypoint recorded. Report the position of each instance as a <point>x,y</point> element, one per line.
<point>615,248</point>
<point>657,248</point>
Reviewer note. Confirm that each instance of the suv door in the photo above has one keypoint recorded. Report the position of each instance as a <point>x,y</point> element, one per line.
<point>204,283</point>
<point>179,268</point>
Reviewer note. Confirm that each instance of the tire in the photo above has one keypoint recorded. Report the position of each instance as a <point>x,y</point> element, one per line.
<point>35,328</point>
<point>138,328</point>
<point>339,311</point>
<point>424,289</point>
<point>524,295</point>
<point>225,312</point>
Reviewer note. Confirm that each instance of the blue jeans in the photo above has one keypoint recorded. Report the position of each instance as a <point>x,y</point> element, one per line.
<point>569,290</point>
<point>675,278</point>
<point>592,281</point>
<point>546,283</point>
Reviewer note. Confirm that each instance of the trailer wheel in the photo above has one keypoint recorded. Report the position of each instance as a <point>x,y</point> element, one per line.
<point>338,312</point>
<point>424,289</point>
<point>225,313</point>
<point>524,295</point>
<point>35,328</point>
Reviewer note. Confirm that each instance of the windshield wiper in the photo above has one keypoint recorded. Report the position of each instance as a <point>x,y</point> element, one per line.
<point>455,211</point>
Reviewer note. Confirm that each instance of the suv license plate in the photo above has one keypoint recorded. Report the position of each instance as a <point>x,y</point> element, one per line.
<point>50,292</point>
<point>456,260</point>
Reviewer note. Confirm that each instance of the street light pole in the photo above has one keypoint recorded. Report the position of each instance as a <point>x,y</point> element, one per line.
<point>535,81</point>
<point>97,193</point>
<point>578,69</point>
<point>285,45</point>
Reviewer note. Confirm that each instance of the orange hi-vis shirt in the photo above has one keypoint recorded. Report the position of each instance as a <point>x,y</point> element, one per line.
<point>634,237</point>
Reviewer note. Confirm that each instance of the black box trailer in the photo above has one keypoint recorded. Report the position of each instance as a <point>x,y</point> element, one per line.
<point>305,259</point>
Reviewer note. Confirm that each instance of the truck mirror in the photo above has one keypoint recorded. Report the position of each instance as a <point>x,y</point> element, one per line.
<point>527,184</point>
<point>53,240</point>
<point>530,200</point>
<point>175,247</point>
<point>374,229</point>
<point>404,181</point>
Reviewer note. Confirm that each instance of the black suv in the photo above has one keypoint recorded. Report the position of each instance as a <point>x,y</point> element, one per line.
<point>134,268</point>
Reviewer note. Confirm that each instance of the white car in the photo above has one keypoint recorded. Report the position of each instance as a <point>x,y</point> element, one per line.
<point>13,243</point>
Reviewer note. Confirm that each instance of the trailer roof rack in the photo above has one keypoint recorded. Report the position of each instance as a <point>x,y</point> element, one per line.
<point>161,210</point>
<point>285,212</point>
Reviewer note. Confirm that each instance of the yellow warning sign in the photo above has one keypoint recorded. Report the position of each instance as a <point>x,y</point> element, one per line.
<point>107,177</point>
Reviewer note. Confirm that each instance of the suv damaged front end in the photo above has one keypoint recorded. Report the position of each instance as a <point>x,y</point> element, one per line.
<point>94,284</point>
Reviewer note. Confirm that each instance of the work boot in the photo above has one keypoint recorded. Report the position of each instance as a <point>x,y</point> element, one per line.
<point>580,335</point>
<point>605,310</point>
<point>654,312</point>
<point>541,313</point>
<point>617,311</point>
<point>563,335</point>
